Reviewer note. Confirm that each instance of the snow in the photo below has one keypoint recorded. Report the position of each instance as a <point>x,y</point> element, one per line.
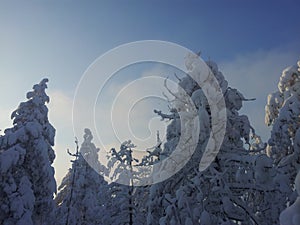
<point>291,215</point>
<point>11,157</point>
<point>205,218</point>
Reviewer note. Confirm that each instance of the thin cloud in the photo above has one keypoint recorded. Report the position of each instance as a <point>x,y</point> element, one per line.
<point>132,105</point>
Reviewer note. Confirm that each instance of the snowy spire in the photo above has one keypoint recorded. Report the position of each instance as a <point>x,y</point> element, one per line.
<point>88,137</point>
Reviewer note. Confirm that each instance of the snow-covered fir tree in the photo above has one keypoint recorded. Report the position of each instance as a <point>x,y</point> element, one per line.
<point>27,180</point>
<point>234,188</point>
<point>82,197</point>
<point>283,114</point>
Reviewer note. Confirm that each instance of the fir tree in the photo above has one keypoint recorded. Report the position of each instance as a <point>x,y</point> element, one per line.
<point>282,113</point>
<point>82,195</point>
<point>27,177</point>
<point>227,191</point>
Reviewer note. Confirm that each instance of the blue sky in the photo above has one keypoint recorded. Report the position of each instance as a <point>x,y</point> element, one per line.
<point>252,41</point>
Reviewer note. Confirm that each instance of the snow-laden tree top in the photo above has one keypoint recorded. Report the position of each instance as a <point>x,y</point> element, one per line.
<point>282,111</point>
<point>289,85</point>
<point>32,114</point>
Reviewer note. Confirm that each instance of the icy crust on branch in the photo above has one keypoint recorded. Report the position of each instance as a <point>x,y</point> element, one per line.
<point>27,177</point>
<point>83,192</point>
<point>282,111</point>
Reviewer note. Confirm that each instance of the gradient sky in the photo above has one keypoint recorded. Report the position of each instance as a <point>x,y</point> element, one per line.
<point>252,41</point>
